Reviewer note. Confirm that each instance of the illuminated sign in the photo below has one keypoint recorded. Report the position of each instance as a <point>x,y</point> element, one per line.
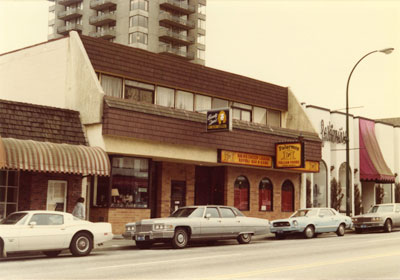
<point>244,158</point>
<point>289,155</point>
<point>219,120</point>
<point>310,166</point>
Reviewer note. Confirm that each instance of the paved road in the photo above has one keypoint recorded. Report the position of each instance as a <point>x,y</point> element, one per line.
<point>365,256</point>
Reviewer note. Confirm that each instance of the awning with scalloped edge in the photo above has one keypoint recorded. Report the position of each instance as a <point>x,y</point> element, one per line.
<point>50,157</point>
<point>372,164</point>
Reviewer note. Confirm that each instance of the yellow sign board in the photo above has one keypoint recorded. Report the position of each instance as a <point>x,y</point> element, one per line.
<point>245,159</point>
<point>310,166</point>
<point>289,155</point>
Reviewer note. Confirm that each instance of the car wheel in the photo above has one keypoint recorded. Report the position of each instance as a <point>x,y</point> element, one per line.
<point>143,244</point>
<point>51,254</point>
<point>244,238</point>
<point>309,232</point>
<point>359,230</point>
<point>81,244</point>
<point>280,236</point>
<point>388,226</point>
<point>340,230</point>
<point>180,239</point>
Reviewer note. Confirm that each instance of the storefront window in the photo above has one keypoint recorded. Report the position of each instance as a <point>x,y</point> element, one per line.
<point>130,182</point>
<point>241,193</point>
<point>8,192</point>
<point>56,195</point>
<point>287,196</point>
<point>265,195</point>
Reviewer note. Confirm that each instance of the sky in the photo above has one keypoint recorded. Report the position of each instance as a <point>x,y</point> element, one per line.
<point>309,46</point>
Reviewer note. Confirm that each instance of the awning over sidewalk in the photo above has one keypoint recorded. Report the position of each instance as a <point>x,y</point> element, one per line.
<point>50,157</point>
<point>372,164</point>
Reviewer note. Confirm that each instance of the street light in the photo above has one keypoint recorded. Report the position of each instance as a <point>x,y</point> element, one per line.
<point>385,51</point>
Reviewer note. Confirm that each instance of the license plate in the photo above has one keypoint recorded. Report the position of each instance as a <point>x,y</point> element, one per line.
<point>140,238</point>
<point>363,226</point>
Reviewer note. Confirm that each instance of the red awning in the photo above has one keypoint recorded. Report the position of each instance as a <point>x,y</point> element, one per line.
<point>50,157</point>
<point>372,164</point>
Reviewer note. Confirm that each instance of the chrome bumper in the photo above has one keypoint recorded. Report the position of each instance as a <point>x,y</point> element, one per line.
<point>146,236</point>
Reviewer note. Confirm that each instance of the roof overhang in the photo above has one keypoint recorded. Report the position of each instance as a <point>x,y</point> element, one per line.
<point>38,156</point>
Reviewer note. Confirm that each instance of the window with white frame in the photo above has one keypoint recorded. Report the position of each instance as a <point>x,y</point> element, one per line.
<point>138,20</point>
<point>202,103</point>
<point>138,37</point>
<point>56,195</point>
<point>139,5</point>
<point>184,100</point>
<point>165,97</point>
<point>241,111</point>
<point>274,117</point>
<point>8,192</point>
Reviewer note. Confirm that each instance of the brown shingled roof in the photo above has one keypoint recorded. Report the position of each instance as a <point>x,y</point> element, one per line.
<point>40,123</point>
<point>164,70</point>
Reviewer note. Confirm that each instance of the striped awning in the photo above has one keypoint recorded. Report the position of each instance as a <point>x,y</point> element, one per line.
<point>50,157</point>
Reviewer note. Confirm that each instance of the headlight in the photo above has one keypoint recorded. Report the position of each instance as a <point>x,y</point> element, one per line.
<point>354,219</point>
<point>376,219</point>
<point>295,223</point>
<point>130,228</point>
<point>162,227</point>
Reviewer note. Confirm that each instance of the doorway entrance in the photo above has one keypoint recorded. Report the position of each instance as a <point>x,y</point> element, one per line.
<point>209,185</point>
<point>178,194</point>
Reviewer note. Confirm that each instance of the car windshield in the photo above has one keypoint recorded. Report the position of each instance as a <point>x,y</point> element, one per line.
<point>15,219</point>
<point>305,213</point>
<point>193,212</point>
<point>381,209</point>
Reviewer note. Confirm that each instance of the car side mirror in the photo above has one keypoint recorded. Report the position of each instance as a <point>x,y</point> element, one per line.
<point>32,224</point>
<point>208,215</point>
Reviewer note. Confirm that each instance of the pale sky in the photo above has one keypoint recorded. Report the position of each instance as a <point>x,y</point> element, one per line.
<point>309,46</point>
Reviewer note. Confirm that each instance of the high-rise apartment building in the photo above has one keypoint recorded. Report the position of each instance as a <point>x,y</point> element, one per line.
<point>171,27</point>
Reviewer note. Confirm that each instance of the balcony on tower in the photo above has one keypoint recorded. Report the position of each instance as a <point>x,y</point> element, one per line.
<point>104,34</point>
<point>69,2</point>
<point>168,36</point>
<point>175,52</point>
<point>70,14</point>
<point>177,6</point>
<point>99,5</point>
<point>107,18</point>
<point>65,29</point>
<point>169,20</point>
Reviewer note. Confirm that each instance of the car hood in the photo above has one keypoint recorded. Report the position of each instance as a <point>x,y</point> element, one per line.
<point>290,219</point>
<point>371,215</point>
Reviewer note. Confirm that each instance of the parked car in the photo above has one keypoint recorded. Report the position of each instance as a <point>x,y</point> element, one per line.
<point>310,222</point>
<point>380,216</point>
<point>196,223</point>
<point>51,232</point>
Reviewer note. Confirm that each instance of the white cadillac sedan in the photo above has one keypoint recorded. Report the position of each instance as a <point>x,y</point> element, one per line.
<point>51,232</point>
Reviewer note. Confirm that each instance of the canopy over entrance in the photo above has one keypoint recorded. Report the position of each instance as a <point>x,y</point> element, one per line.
<point>372,164</point>
<point>38,156</point>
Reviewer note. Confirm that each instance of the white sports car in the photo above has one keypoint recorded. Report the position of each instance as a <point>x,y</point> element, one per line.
<point>51,232</point>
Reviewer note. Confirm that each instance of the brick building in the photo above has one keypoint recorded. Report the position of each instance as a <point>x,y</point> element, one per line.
<point>39,151</point>
<point>148,112</point>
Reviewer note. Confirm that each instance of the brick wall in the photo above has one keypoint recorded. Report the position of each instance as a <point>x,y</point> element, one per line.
<point>255,176</point>
<point>179,172</point>
<point>34,185</point>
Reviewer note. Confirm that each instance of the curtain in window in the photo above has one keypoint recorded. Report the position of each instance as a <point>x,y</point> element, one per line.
<point>112,86</point>
<point>184,100</point>
<point>165,97</point>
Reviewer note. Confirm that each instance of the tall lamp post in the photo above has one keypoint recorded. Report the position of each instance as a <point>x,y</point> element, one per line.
<point>385,51</point>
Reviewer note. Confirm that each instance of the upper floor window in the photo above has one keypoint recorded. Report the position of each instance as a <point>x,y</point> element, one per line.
<point>165,97</point>
<point>274,117</point>
<point>201,39</point>
<point>219,103</point>
<point>138,20</point>
<point>201,54</point>
<point>201,9</point>
<point>201,24</point>
<point>139,5</point>
<point>139,91</point>
<point>184,100</point>
<point>241,111</point>
<point>202,103</point>
<point>138,37</point>
<point>52,15</point>
<point>112,86</point>
<point>260,115</point>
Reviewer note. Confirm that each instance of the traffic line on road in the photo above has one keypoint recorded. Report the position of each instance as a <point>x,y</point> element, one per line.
<point>299,267</point>
<point>159,262</point>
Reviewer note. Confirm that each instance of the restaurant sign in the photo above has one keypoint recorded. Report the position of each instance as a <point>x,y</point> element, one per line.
<point>219,120</point>
<point>244,158</point>
<point>289,155</point>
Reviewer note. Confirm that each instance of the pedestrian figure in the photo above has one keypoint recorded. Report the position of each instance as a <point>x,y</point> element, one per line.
<point>79,209</point>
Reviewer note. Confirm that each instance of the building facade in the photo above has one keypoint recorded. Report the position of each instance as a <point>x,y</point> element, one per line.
<point>148,112</point>
<point>171,27</point>
<point>374,162</point>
